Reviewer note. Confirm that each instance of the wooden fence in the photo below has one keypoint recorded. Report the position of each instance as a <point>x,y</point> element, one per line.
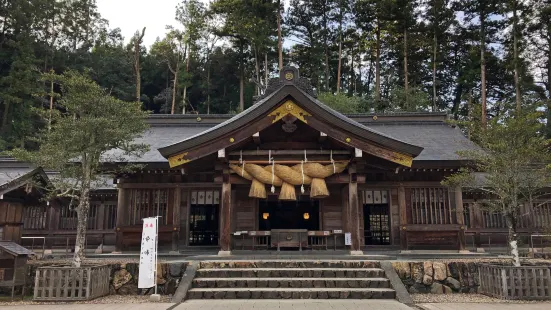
<point>509,282</point>
<point>62,283</point>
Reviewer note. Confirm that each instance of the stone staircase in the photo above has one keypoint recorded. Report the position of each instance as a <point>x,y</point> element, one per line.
<point>291,280</point>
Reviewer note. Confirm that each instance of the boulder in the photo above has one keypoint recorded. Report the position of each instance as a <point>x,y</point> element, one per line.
<point>453,270</point>
<point>417,272</point>
<point>175,269</point>
<point>453,283</point>
<point>402,269</point>
<point>428,269</point>
<point>120,278</point>
<point>437,288</point>
<point>440,271</point>
<point>447,289</point>
<point>427,280</point>
<point>128,289</point>
<point>418,289</point>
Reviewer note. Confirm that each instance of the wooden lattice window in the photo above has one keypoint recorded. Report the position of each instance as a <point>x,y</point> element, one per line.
<point>93,216</point>
<point>493,219</point>
<point>431,206</point>
<point>68,218</point>
<point>110,219</point>
<point>34,218</point>
<point>541,215</point>
<point>148,203</point>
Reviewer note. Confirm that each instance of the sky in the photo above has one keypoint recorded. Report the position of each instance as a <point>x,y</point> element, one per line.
<point>132,15</point>
<point>155,15</point>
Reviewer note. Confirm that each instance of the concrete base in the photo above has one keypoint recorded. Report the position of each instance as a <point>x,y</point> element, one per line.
<point>155,297</point>
<point>480,250</point>
<point>48,252</point>
<point>99,249</point>
<point>405,252</point>
<point>224,253</point>
<point>464,252</point>
<point>174,252</point>
<point>354,253</point>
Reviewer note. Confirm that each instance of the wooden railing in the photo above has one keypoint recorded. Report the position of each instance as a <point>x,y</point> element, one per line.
<point>71,284</point>
<point>508,282</point>
<point>431,205</point>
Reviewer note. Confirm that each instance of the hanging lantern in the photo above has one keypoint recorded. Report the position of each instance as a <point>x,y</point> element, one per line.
<point>265,215</point>
<point>306,216</point>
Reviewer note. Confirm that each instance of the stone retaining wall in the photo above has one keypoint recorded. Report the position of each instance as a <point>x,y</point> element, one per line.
<point>438,277</point>
<point>124,278</point>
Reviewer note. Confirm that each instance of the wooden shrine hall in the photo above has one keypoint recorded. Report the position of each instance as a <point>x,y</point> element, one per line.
<point>289,173</point>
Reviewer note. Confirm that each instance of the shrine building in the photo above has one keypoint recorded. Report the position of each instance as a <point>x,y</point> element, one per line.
<point>287,173</point>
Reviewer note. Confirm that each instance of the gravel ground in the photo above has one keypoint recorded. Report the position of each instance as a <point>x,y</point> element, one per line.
<point>112,299</point>
<point>464,298</point>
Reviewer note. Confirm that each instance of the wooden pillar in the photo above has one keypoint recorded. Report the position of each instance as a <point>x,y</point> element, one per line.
<point>176,219</point>
<point>225,216</point>
<point>122,218</point>
<point>403,217</point>
<point>459,213</point>
<point>354,214</point>
<point>53,222</point>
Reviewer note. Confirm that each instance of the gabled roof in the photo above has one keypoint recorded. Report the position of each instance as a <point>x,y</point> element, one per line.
<point>267,105</point>
<point>14,178</point>
<point>14,248</point>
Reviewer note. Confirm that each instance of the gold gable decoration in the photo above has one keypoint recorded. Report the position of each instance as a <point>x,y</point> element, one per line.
<point>289,107</point>
<point>287,177</point>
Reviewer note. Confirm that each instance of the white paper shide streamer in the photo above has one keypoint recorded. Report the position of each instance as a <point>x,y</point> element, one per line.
<point>148,253</point>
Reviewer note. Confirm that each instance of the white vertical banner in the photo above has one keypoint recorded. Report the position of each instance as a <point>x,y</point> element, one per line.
<point>148,253</point>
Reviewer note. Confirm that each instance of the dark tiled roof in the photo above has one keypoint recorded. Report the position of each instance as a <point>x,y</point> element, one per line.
<point>439,140</point>
<point>14,248</point>
<point>312,105</point>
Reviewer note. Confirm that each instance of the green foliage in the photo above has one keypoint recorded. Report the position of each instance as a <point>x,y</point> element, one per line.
<point>511,166</point>
<point>341,102</point>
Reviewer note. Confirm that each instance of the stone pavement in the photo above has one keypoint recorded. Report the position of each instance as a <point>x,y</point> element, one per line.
<point>297,304</point>
<point>487,306</point>
<point>121,306</point>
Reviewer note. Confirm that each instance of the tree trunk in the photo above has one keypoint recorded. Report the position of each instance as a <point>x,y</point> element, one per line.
<point>241,81</point>
<point>266,69</point>
<point>326,51</point>
<point>137,69</point>
<point>4,127</point>
<point>378,62</point>
<point>208,86</point>
<point>185,86</point>
<point>483,66</point>
<point>51,104</point>
<point>406,83</point>
<point>82,214</point>
<point>434,98</point>
<point>174,86</point>
<point>279,39</point>
<point>340,54</point>
<point>257,71</point>
<point>515,56</point>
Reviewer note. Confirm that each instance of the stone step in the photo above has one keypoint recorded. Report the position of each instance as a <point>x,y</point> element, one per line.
<point>291,273</point>
<point>294,293</point>
<point>289,264</point>
<point>291,282</point>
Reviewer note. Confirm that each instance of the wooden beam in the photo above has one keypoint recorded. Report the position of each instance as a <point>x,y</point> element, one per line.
<point>122,217</point>
<point>459,216</point>
<point>403,216</point>
<point>360,143</point>
<point>323,137</point>
<point>256,138</point>
<point>221,142</point>
<point>225,216</point>
<point>176,218</point>
<point>354,214</point>
<point>289,152</point>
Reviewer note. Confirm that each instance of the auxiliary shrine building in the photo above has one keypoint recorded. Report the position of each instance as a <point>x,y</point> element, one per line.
<point>287,173</point>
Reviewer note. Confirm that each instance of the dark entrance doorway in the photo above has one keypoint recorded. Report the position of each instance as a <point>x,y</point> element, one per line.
<point>203,225</point>
<point>376,218</point>
<point>300,214</point>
